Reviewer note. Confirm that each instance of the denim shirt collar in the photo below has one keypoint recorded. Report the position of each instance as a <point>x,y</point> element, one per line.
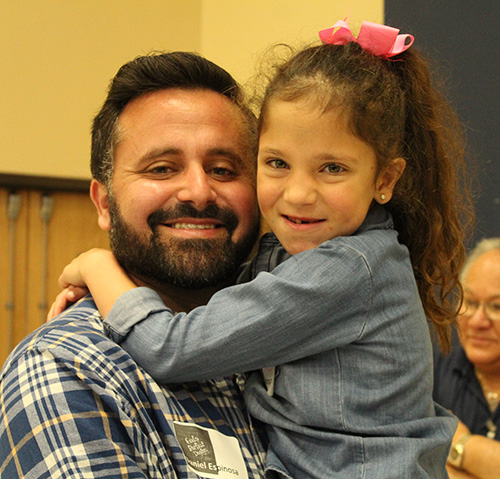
<point>377,218</point>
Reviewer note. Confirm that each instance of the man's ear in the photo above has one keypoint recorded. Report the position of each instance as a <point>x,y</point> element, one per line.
<point>100,198</point>
<point>387,179</point>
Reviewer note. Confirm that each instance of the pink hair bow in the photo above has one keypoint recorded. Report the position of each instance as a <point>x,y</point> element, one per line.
<point>380,40</point>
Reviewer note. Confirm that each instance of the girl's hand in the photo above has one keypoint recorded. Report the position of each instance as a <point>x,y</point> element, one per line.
<point>73,274</point>
<point>98,271</point>
<point>72,281</point>
<point>64,299</point>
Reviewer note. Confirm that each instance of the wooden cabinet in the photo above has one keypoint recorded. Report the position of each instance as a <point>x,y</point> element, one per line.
<point>50,230</point>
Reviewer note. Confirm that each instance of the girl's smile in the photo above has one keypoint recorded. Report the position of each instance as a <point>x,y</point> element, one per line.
<point>302,221</point>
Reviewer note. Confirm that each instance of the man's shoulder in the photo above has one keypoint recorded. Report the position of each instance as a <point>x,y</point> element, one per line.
<point>76,346</point>
<point>70,381</point>
<point>69,360</point>
<point>74,333</point>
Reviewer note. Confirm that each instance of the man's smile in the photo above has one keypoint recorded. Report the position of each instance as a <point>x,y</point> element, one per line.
<point>193,226</point>
<point>202,228</point>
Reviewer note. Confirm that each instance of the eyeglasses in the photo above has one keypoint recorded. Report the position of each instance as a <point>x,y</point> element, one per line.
<point>470,306</point>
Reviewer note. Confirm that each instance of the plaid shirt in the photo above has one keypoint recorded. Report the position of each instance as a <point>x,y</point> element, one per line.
<point>74,404</point>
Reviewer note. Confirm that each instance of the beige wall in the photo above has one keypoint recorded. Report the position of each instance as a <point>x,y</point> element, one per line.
<point>58,57</point>
<point>235,33</point>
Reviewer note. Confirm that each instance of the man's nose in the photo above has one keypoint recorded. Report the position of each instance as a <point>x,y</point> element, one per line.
<point>197,187</point>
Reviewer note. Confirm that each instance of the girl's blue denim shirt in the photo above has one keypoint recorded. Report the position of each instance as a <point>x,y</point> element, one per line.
<point>345,327</point>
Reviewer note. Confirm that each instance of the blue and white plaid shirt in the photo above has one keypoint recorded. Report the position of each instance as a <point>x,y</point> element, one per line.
<point>75,404</point>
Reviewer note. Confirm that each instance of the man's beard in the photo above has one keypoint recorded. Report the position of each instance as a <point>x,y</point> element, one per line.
<point>185,263</point>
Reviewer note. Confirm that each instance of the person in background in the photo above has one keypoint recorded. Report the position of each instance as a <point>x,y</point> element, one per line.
<point>467,381</point>
<point>357,178</point>
<point>173,165</point>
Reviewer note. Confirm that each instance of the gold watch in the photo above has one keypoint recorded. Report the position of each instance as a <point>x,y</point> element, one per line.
<point>456,455</point>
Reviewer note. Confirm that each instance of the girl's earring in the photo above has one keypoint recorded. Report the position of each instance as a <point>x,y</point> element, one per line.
<point>382,197</point>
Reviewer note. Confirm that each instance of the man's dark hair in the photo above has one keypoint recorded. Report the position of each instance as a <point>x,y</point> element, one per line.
<point>153,72</point>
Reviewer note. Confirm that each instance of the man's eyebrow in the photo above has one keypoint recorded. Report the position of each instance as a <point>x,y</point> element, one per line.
<point>158,152</point>
<point>228,153</point>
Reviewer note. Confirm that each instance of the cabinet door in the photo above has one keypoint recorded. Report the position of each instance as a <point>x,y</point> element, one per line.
<point>49,232</point>
<point>13,245</point>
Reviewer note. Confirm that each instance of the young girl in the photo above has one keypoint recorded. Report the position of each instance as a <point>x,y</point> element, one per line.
<point>358,171</point>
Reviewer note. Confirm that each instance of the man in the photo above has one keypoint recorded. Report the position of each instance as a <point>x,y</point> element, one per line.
<point>173,166</point>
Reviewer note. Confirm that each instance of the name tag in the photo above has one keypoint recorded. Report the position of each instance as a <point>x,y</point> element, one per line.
<point>209,453</point>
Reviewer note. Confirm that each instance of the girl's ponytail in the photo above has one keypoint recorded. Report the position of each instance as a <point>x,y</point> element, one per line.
<point>431,205</point>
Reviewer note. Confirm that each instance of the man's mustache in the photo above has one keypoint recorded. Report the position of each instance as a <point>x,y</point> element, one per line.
<point>184,210</point>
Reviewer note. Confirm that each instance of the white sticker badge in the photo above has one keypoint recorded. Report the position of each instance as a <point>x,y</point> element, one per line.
<point>209,453</point>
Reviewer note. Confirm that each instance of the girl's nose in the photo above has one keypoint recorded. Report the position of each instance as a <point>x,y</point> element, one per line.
<point>299,190</point>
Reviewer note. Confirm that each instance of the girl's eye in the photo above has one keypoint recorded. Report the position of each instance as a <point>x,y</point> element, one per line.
<point>277,163</point>
<point>333,168</point>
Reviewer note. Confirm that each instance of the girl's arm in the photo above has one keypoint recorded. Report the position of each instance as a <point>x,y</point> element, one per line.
<point>97,270</point>
<point>298,310</point>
